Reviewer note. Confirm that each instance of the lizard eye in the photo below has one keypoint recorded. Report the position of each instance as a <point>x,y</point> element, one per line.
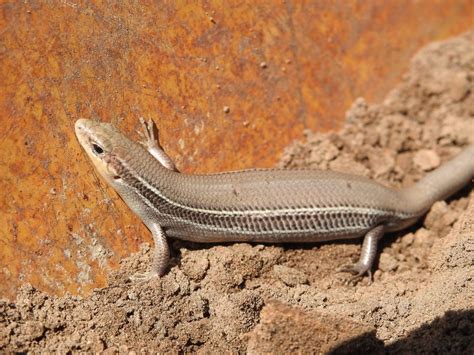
<point>97,149</point>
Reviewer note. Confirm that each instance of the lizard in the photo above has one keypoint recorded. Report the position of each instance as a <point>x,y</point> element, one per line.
<point>259,205</point>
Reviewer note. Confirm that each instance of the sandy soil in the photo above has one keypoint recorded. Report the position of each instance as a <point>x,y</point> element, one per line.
<point>260,298</point>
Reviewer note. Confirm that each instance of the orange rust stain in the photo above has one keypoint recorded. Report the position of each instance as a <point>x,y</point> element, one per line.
<point>229,85</point>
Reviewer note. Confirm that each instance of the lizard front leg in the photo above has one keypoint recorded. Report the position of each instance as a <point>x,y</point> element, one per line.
<point>152,144</point>
<point>161,252</point>
<point>161,255</point>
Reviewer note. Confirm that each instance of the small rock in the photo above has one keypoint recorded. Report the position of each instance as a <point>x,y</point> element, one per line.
<point>330,151</point>
<point>289,276</point>
<point>123,349</point>
<point>435,214</point>
<point>33,330</point>
<point>195,265</point>
<point>287,330</point>
<point>404,307</point>
<point>423,237</point>
<point>381,162</point>
<point>391,311</point>
<point>457,130</point>
<point>436,84</point>
<point>357,110</point>
<point>98,345</point>
<point>407,240</point>
<point>401,288</point>
<point>387,262</point>
<point>111,351</point>
<point>458,86</point>
<point>345,163</point>
<point>198,307</point>
<point>170,286</point>
<point>426,159</point>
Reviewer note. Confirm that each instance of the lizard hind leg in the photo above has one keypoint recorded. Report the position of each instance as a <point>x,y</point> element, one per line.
<point>367,255</point>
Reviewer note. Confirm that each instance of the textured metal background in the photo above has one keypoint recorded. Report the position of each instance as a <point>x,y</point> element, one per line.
<point>228,83</point>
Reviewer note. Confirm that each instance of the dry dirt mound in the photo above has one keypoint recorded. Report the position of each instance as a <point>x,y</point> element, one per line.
<point>258,298</point>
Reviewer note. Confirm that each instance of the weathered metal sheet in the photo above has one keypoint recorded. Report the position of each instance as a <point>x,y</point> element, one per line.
<point>228,83</point>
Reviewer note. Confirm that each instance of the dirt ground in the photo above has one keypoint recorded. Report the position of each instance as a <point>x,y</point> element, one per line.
<point>286,298</point>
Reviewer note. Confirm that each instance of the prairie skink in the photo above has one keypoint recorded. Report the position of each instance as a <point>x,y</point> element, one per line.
<point>266,205</point>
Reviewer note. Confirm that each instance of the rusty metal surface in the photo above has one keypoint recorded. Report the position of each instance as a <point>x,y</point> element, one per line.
<point>229,85</point>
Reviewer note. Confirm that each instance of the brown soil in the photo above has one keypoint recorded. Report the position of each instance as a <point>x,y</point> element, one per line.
<point>262,298</point>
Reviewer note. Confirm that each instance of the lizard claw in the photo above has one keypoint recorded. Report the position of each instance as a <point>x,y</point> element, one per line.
<point>357,270</point>
<point>142,277</point>
<point>147,133</point>
<point>152,144</point>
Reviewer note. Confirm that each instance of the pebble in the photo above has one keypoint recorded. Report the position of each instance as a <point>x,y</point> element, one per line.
<point>426,159</point>
<point>459,86</point>
<point>290,276</point>
<point>387,262</point>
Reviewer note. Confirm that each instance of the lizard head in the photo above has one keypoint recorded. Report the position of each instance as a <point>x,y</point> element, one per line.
<point>104,145</point>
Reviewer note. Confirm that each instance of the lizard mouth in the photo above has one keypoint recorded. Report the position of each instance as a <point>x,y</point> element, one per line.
<point>81,129</point>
